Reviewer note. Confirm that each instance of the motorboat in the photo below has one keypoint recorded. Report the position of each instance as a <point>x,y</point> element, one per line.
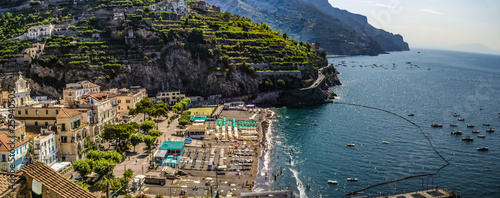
<point>333,182</point>
<point>297,124</point>
<point>453,125</point>
<point>490,130</point>
<point>461,119</point>
<point>486,124</point>
<point>468,138</point>
<point>385,142</point>
<point>483,149</point>
<point>350,145</point>
<point>470,125</point>
<point>456,132</point>
<point>411,114</point>
<point>481,136</point>
<point>352,179</point>
<point>436,125</point>
<point>475,131</point>
<point>456,115</point>
<point>315,124</point>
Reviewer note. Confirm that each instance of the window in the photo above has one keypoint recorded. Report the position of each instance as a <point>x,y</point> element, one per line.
<point>63,127</point>
<point>36,112</point>
<point>128,107</point>
<point>64,139</point>
<point>128,101</point>
<point>36,123</point>
<point>57,112</point>
<point>46,123</point>
<point>119,101</point>
<point>46,111</point>
<point>26,112</point>
<point>4,159</point>
<point>18,112</point>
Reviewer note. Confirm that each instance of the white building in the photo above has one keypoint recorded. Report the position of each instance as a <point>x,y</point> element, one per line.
<point>44,146</point>
<point>170,97</point>
<point>40,31</point>
<point>73,92</point>
<point>18,148</point>
<point>22,92</point>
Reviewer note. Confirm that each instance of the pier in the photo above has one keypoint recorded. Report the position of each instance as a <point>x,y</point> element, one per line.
<point>431,193</point>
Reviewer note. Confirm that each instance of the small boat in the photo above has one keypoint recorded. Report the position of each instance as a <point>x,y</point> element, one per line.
<point>333,182</point>
<point>352,179</point>
<point>297,124</point>
<point>470,125</point>
<point>456,132</point>
<point>485,124</point>
<point>475,131</point>
<point>483,149</point>
<point>315,124</point>
<point>461,119</point>
<point>453,125</point>
<point>411,114</point>
<point>436,125</point>
<point>468,138</point>
<point>456,115</point>
<point>385,142</point>
<point>350,145</point>
<point>490,130</point>
<point>481,136</point>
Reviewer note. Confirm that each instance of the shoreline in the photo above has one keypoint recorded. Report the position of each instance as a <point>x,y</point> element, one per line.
<point>266,116</point>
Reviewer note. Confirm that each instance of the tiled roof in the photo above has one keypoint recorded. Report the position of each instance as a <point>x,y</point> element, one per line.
<point>93,85</point>
<point>5,182</point>
<point>54,181</point>
<point>67,113</point>
<point>5,139</point>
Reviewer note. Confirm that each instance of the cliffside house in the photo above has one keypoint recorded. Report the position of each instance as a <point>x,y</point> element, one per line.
<point>73,92</point>
<point>127,98</point>
<point>44,147</point>
<point>21,94</point>
<point>37,32</point>
<point>18,148</point>
<point>177,6</point>
<point>30,53</point>
<point>170,97</point>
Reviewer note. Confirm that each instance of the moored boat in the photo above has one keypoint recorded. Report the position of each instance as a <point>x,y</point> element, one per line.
<point>483,149</point>
<point>456,115</point>
<point>333,182</point>
<point>453,125</point>
<point>456,132</point>
<point>481,136</point>
<point>315,124</point>
<point>475,131</point>
<point>490,130</point>
<point>468,138</point>
<point>352,179</point>
<point>436,125</point>
<point>385,142</point>
<point>350,145</point>
<point>411,114</point>
<point>470,125</point>
<point>486,124</point>
<point>461,119</point>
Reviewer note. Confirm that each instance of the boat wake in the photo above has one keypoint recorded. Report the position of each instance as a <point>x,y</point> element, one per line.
<point>300,186</point>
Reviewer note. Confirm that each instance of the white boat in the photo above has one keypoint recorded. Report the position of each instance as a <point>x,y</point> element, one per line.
<point>485,124</point>
<point>333,182</point>
<point>461,119</point>
<point>470,125</point>
<point>351,144</point>
<point>453,125</point>
<point>481,136</point>
<point>483,149</point>
<point>475,131</point>
<point>297,124</point>
<point>456,132</point>
<point>352,179</point>
<point>436,125</point>
<point>385,142</point>
<point>468,138</point>
<point>490,130</point>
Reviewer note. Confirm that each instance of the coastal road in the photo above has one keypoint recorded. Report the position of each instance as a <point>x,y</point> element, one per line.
<point>320,79</point>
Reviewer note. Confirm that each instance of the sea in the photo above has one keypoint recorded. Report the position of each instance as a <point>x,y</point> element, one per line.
<point>432,85</point>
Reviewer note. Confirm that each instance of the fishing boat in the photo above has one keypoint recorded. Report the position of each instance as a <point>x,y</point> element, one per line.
<point>483,149</point>
<point>436,125</point>
<point>385,142</point>
<point>456,132</point>
<point>352,179</point>
<point>350,145</point>
<point>456,115</point>
<point>468,138</point>
<point>333,182</point>
<point>470,125</point>
<point>461,119</point>
<point>486,124</point>
<point>453,125</point>
<point>315,124</point>
<point>481,136</point>
<point>475,131</point>
<point>490,130</point>
<point>411,114</point>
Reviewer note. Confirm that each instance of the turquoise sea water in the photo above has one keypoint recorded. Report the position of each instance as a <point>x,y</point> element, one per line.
<point>433,85</point>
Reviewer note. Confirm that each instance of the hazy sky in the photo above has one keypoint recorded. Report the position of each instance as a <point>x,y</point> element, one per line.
<point>464,25</point>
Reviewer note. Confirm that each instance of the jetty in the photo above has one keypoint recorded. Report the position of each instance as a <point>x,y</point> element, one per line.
<point>431,193</point>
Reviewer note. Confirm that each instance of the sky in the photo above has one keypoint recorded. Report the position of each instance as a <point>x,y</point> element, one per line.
<point>461,25</point>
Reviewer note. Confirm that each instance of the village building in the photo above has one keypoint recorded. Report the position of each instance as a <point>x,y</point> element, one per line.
<point>168,154</point>
<point>104,106</point>
<point>19,129</point>
<point>11,146</point>
<point>170,97</point>
<point>127,98</point>
<point>21,95</point>
<point>44,147</point>
<point>73,92</point>
<point>37,32</point>
<point>196,131</point>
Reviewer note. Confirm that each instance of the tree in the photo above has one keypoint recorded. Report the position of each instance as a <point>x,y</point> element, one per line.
<point>147,125</point>
<point>111,155</point>
<point>160,110</point>
<point>82,167</point>
<point>143,106</point>
<point>149,140</point>
<point>103,167</point>
<point>83,185</point>
<point>128,174</point>
<point>121,132</point>
<point>155,133</point>
<point>135,139</point>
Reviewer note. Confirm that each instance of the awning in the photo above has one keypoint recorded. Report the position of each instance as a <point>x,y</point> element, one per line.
<point>160,153</point>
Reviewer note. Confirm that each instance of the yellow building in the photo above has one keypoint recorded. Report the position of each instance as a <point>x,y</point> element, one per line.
<point>19,129</point>
<point>21,95</point>
<point>127,98</point>
<point>170,97</point>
